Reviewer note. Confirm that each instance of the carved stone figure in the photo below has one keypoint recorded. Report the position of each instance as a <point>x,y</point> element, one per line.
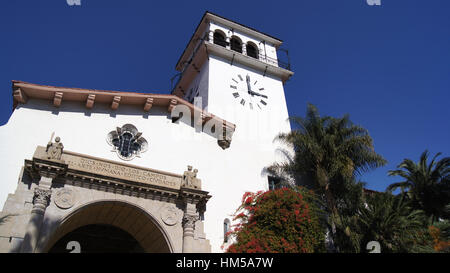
<point>187,177</point>
<point>54,150</point>
<point>190,179</point>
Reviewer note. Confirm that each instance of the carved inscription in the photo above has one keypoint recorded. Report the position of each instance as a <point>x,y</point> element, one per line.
<point>123,172</point>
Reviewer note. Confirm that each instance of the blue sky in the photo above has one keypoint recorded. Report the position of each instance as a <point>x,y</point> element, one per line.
<point>387,66</point>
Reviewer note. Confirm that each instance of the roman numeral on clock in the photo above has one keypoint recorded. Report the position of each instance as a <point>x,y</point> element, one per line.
<point>263,102</point>
<point>236,94</point>
<point>233,86</point>
<point>243,102</point>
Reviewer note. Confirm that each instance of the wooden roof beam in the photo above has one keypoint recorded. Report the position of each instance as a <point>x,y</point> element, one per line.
<point>115,103</point>
<point>148,104</point>
<point>19,95</point>
<point>172,104</point>
<point>90,101</point>
<point>57,99</point>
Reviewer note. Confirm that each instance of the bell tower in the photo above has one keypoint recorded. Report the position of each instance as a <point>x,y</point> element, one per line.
<point>235,71</point>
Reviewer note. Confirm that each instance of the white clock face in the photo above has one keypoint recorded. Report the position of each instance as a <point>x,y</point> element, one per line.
<point>248,92</point>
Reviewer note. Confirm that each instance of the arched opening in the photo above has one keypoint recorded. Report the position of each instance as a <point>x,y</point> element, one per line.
<point>109,226</point>
<point>98,239</point>
<point>219,38</point>
<point>236,44</point>
<point>252,50</point>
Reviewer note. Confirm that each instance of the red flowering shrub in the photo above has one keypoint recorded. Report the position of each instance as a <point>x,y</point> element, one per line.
<point>278,221</point>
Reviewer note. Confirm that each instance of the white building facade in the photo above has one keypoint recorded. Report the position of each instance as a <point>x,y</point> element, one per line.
<point>125,156</point>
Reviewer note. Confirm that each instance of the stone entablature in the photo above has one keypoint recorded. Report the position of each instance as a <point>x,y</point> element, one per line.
<point>109,174</point>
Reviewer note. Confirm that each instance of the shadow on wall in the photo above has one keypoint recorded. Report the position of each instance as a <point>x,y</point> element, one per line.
<point>43,237</point>
<point>180,114</point>
<point>21,217</point>
<point>101,108</point>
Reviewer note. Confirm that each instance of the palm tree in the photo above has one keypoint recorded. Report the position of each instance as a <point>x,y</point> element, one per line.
<point>347,237</point>
<point>427,185</point>
<point>328,152</point>
<point>389,220</point>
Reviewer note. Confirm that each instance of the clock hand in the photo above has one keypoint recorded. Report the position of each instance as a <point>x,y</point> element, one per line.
<point>257,94</point>
<point>264,96</point>
<point>249,89</point>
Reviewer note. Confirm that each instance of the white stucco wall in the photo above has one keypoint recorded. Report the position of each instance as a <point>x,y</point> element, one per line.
<point>200,85</point>
<point>226,174</point>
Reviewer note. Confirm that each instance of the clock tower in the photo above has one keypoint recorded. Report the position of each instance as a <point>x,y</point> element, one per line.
<point>233,71</point>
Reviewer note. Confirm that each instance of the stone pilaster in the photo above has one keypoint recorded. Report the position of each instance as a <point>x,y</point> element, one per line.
<point>189,219</point>
<point>41,200</point>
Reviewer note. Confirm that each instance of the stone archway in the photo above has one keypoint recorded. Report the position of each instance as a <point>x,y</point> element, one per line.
<point>162,211</point>
<point>114,217</point>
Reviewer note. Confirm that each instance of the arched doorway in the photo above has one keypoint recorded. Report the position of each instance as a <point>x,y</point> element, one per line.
<point>108,227</point>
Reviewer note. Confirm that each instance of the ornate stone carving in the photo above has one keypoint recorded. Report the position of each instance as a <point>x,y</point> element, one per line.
<point>224,144</point>
<point>65,198</point>
<point>224,140</point>
<point>189,221</point>
<point>190,179</point>
<point>127,142</point>
<point>54,150</point>
<point>41,200</point>
<point>169,215</point>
